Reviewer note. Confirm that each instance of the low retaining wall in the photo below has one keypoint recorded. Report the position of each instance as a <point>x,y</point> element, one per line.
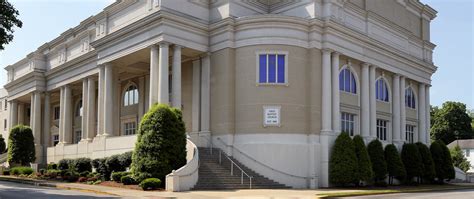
<point>185,177</point>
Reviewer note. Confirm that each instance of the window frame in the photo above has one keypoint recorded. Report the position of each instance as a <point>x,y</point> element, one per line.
<point>257,67</point>
<point>354,78</point>
<point>54,140</point>
<point>125,93</point>
<point>387,87</point>
<point>126,128</point>
<point>54,113</point>
<point>346,122</point>
<point>410,132</point>
<point>382,124</point>
<point>409,88</point>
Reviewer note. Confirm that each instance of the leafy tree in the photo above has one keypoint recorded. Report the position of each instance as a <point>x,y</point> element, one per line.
<point>459,160</point>
<point>377,158</point>
<point>343,162</point>
<point>21,146</point>
<point>451,122</point>
<point>8,20</point>
<point>161,143</point>
<point>442,161</point>
<point>412,160</point>
<point>429,172</point>
<point>2,144</point>
<point>395,166</point>
<point>364,166</point>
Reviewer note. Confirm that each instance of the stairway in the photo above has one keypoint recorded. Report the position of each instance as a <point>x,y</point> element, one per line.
<point>213,175</point>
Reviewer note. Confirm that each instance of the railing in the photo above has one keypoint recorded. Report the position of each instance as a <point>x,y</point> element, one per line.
<point>260,163</point>
<point>232,164</point>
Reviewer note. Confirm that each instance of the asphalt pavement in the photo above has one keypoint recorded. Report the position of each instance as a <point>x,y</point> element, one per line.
<point>455,194</point>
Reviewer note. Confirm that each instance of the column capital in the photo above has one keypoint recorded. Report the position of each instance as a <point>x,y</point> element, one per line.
<point>327,50</point>
<point>176,46</point>
<point>163,44</point>
<point>335,53</point>
<point>205,54</point>
<point>365,64</point>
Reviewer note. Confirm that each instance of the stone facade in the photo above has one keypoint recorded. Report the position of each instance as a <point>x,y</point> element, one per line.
<point>271,82</point>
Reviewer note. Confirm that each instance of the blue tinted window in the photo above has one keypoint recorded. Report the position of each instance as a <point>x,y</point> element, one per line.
<point>263,69</point>
<point>409,98</point>
<point>381,90</point>
<point>271,68</point>
<point>347,81</point>
<point>281,68</point>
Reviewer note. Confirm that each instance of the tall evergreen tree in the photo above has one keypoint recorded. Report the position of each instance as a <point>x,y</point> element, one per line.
<point>21,146</point>
<point>429,172</point>
<point>412,160</point>
<point>364,166</point>
<point>2,144</point>
<point>442,160</point>
<point>343,162</point>
<point>377,158</point>
<point>395,166</point>
<point>459,160</point>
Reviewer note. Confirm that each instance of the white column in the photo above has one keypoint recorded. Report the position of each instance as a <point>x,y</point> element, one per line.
<point>141,97</point>
<point>326,138</point>
<point>32,108</point>
<point>13,106</point>
<point>428,116</point>
<point>196,95</point>
<point>68,114</point>
<point>37,118</point>
<point>163,80</point>
<point>21,113</point>
<point>154,74</point>
<point>205,93</point>
<point>85,107</point>
<point>396,109</point>
<point>176,80</point>
<point>100,101</point>
<point>402,110</point>
<point>91,109</point>
<point>109,100</point>
<point>373,103</point>
<point>61,115</point>
<point>336,118</point>
<point>326,85</point>
<point>364,102</point>
<point>46,120</point>
<point>421,113</point>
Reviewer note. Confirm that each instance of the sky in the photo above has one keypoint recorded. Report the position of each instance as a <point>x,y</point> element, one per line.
<point>451,31</point>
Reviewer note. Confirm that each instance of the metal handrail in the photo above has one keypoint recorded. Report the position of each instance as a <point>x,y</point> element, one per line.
<point>242,172</point>
<point>246,155</point>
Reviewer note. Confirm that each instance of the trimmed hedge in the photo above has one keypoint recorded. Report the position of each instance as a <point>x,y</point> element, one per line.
<point>21,171</point>
<point>443,163</point>
<point>343,162</point>
<point>65,164</point>
<point>150,184</point>
<point>2,144</point>
<point>81,165</point>
<point>412,160</point>
<point>101,167</point>
<point>117,176</point>
<point>128,180</point>
<point>52,166</point>
<point>429,172</point>
<point>113,163</point>
<point>161,143</point>
<point>377,158</point>
<point>395,166</point>
<point>21,146</point>
<point>448,161</point>
<point>364,166</point>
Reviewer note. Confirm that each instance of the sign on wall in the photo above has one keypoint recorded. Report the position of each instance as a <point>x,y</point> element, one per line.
<point>271,116</point>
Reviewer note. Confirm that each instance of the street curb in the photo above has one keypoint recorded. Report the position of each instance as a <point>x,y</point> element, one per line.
<point>52,185</point>
<point>362,193</point>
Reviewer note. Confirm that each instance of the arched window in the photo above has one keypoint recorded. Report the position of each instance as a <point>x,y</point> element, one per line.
<point>131,96</point>
<point>79,109</point>
<point>409,98</point>
<point>347,81</point>
<point>381,90</point>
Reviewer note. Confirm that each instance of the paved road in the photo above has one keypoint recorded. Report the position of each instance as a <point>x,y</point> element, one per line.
<point>459,194</point>
<point>16,190</point>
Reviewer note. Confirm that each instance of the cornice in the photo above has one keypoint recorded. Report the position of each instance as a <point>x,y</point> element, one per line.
<point>27,78</point>
<point>74,63</point>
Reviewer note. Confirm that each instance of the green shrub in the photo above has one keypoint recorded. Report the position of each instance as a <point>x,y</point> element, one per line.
<point>65,164</point>
<point>161,143</point>
<point>84,174</point>
<point>395,166</point>
<point>21,171</point>
<point>364,166</point>
<point>429,172</point>
<point>113,163</point>
<point>412,160</point>
<point>71,176</point>
<point>2,144</point>
<point>377,158</point>
<point>6,172</point>
<point>343,162</point>
<point>117,176</point>
<point>101,168</point>
<point>125,159</point>
<point>52,166</point>
<point>42,171</point>
<point>53,173</point>
<point>21,146</point>
<point>128,180</point>
<point>150,184</point>
<point>459,159</point>
<point>82,165</point>
<point>441,162</point>
<point>448,161</point>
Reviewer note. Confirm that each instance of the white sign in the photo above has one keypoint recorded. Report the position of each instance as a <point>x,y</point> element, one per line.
<point>271,116</point>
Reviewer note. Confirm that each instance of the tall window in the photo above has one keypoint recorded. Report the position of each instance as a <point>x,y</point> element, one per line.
<point>56,113</point>
<point>272,68</point>
<point>382,129</point>
<point>409,98</point>
<point>130,128</point>
<point>381,90</point>
<point>79,109</point>
<point>347,81</point>
<point>78,136</point>
<point>347,123</point>
<point>410,133</point>
<point>55,139</point>
<point>131,96</point>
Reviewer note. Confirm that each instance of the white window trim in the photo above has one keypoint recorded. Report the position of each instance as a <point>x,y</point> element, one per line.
<point>54,107</point>
<point>354,125</point>
<point>387,130</point>
<point>388,89</point>
<point>128,119</point>
<point>265,52</point>
<point>416,98</point>
<point>356,78</point>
